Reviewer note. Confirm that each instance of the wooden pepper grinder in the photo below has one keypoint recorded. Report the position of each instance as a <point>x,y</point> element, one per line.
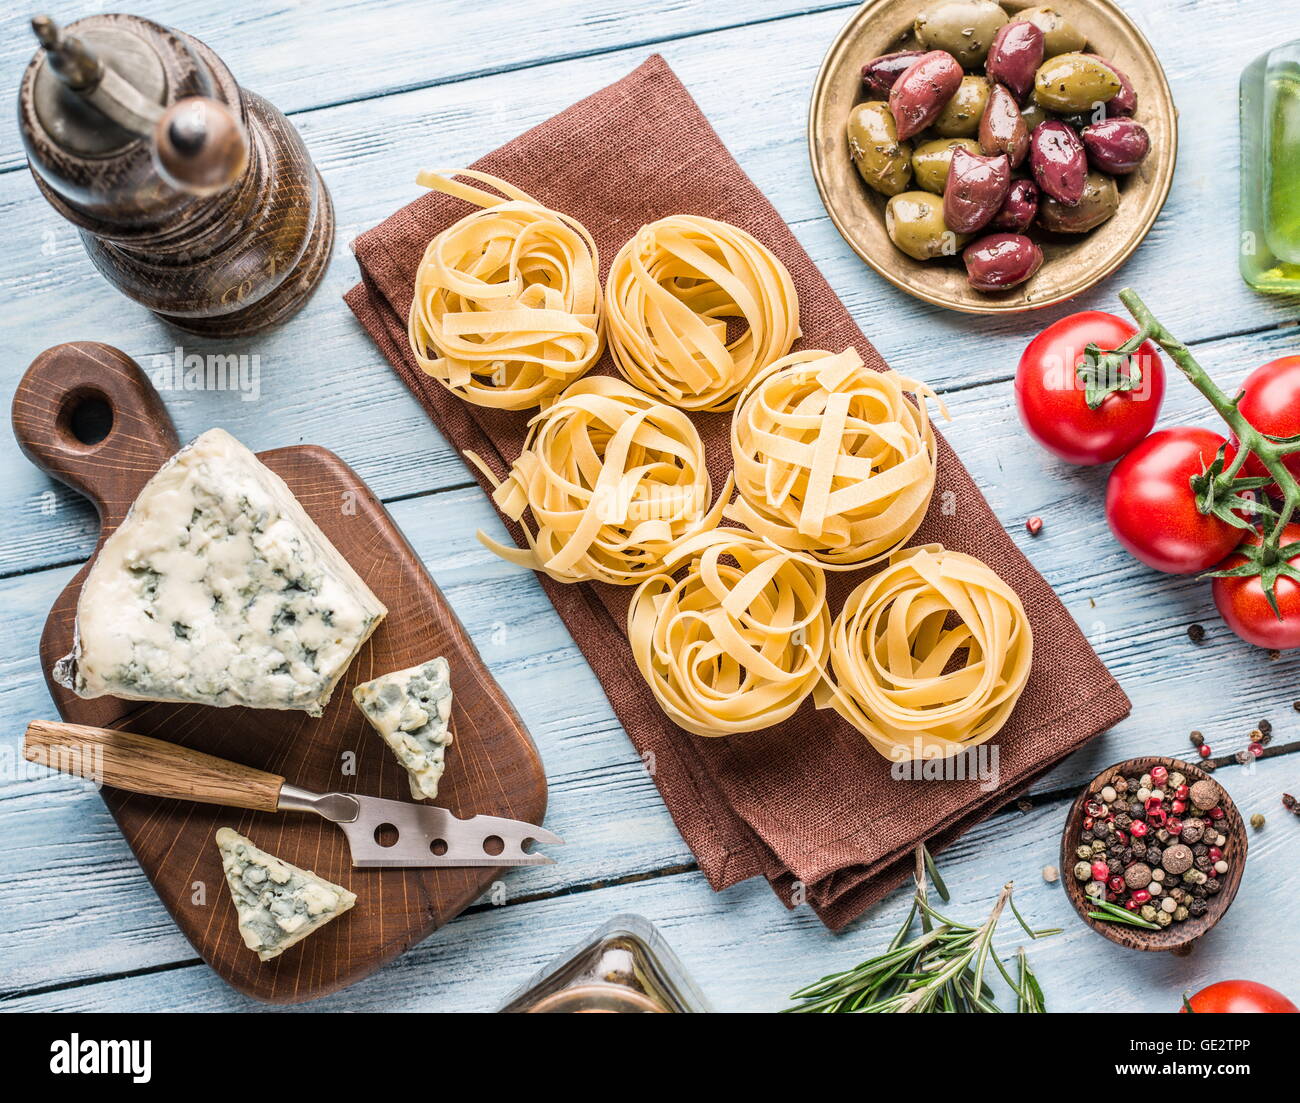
<point>193,196</point>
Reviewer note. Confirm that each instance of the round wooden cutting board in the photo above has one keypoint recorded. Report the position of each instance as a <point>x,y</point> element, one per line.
<point>492,766</point>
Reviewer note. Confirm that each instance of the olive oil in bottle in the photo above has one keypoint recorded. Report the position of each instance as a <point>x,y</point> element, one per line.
<point>1270,171</point>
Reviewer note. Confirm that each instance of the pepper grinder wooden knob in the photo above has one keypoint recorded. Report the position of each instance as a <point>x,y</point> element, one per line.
<point>199,146</point>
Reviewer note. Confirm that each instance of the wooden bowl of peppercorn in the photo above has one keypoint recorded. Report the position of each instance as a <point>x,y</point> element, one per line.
<point>1171,844</point>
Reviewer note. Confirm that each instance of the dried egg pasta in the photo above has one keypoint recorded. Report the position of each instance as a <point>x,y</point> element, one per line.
<point>929,655</point>
<point>833,458</point>
<point>738,641</point>
<point>507,304</point>
<point>614,480</point>
<point>669,295</point>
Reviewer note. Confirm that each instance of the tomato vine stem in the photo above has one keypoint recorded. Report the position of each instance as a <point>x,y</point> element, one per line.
<point>1270,450</point>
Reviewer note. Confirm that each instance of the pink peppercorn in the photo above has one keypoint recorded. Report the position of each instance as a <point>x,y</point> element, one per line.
<point>1183,791</point>
<point>1204,750</point>
<point>1141,896</point>
<point>1117,883</point>
<point>1137,829</point>
<point>1178,807</point>
<point>1216,813</point>
<point>1159,775</point>
<point>1174,826</point>
<point>1256,749</point>
<point>1100,871</point>
<point>1215,853</point>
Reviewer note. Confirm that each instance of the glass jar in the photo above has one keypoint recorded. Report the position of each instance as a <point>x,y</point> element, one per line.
<point>625,967</point>
<point>1270,171</point>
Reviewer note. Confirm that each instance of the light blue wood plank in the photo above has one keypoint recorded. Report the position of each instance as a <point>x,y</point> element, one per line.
<point>101,906</point>
<point>748,954</point>
<point>323,380</point>
<point>306,53</point>
<point>321,373</point>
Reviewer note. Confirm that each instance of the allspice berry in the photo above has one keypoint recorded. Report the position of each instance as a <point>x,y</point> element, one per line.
<point>1205,795</point>
<point>1177,858</point>
<point>1138,875</point>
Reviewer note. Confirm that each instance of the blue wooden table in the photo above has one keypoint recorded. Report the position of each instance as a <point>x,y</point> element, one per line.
<point>382,88</point>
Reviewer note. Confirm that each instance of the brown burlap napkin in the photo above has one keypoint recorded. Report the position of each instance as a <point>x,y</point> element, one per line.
<point>808,804</point>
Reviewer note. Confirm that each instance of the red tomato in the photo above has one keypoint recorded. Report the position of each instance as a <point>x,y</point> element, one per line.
<point>1238,997</point>
<point>1271,403</point>
<point>1152,509</point>
<point>1052,401</point>
<point>1245,609</point>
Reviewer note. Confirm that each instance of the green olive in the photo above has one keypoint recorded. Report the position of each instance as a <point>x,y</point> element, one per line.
<point>961,116</point>
<point>1100,201</point>
<point>1070,83</point>
<point>930,162</point>
<point>884,162</point>
<point>1059,35</point>
<point>1033,114</point>
<point>914,222</point>
<point>965,28</point>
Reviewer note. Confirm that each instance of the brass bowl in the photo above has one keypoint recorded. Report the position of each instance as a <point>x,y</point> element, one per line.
<point>1071,264</point>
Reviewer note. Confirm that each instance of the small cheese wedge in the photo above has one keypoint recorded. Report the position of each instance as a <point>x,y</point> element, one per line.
<point>411,709</point>
<point>218,589</point>
<point>278,904</point>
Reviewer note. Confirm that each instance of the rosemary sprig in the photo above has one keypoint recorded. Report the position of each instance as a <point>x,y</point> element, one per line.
<point>1113,913</point>
<point>941,969</point>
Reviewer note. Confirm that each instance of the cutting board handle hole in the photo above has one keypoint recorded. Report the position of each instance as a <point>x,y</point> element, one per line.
<point>85,418</point>
<point>386,834</point>
<point>438,847</point>
<point>493,845</point>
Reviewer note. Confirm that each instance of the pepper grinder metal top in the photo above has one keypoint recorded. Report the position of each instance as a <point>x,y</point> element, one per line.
<point>193,196</point>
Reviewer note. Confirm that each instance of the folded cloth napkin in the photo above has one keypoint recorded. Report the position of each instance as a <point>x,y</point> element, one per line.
<point>807,804</point>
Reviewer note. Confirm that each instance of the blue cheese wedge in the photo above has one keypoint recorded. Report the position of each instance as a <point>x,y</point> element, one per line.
<point>278,904</point>
<point>218,589</point>
<point>411,710</point>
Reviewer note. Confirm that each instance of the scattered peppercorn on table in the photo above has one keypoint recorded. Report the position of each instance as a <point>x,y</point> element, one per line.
<point>389,92</point>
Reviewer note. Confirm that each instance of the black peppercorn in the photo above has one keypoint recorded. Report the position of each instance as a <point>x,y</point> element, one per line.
<point>1203,863</point>
<point>1195,633</point>
<point>1114,865</point>
<point>1212,886</point>
<point>1197,907</point>
<point>1199,849</point>
<point>1086,836</point>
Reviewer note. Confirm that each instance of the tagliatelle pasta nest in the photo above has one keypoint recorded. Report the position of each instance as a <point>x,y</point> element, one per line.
<point>929,655</point>
<point>833,458</point>
<point>669,295</point>
<point>507,304</point>
<point>614,481</point>
<point>738,641</point>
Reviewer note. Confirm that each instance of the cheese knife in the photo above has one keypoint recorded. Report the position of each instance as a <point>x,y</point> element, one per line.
<point>426,835</point>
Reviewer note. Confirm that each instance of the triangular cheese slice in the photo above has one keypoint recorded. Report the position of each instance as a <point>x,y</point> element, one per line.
<point>218,589</point>
<point>411,710</point>
<point>278,904</point>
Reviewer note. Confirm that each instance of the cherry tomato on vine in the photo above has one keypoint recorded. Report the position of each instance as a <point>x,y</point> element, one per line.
<point>1053,398</point>
<point>1152,509</point>
<point>1240,996</point>
<point>1242,603</point>
<point>1271,403</point>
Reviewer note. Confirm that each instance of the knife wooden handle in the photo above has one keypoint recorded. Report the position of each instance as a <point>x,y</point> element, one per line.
<point>143,765</point>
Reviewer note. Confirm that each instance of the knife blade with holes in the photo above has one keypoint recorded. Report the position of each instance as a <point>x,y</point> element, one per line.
<point>425,835</point>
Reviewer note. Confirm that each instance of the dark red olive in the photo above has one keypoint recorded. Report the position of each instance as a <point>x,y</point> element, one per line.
<point>1018,209</point>
<point>1058,161</point>
<point>999,261</point>
<point>1002,128</point>
<point>880,73</point>
<point>975,189</point>
<point>1125,101</point>
<point>1117,146</point>
<point>1014,57</point>
<point>923,91</point>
